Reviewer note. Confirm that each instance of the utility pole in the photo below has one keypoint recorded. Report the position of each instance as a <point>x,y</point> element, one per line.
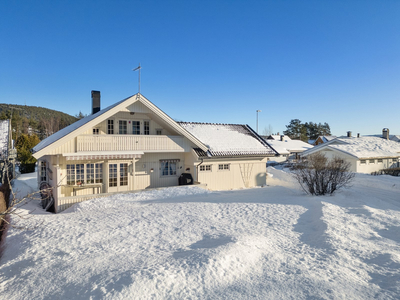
<point>257,111</point>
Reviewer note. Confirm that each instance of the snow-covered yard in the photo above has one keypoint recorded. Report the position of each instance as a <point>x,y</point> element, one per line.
<point>187,243</point>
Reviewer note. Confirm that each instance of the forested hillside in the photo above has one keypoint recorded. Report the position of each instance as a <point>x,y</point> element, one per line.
<point>34,120</point>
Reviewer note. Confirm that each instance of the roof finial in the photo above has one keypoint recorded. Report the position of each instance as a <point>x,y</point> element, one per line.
<point>138,68</point>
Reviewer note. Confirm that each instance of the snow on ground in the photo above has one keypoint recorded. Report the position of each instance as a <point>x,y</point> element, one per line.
<point>186,243</point>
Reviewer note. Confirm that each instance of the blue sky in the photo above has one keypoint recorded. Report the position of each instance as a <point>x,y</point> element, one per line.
<point>210,61</point>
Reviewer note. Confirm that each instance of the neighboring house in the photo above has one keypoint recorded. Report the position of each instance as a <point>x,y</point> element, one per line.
<point>288,149</point>
<point>323,139</point>
<point>366,154</point>
<point>8,154</point>
<point>133,145</point>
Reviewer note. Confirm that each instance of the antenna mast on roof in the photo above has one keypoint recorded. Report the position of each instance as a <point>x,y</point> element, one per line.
<point>138,68</point>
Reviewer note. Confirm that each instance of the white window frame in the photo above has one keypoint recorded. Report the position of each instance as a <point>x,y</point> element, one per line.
<point>224,167</point>
<point>110,126</point>
<point>205,168</point>
<point>169,166</point>
<point>371,161</point>
<point>73,178</point>
<point>119,126</point>
<point>43,171</point>
<point>363,161</point>
<point>380,161</point>
<point>146,131</point>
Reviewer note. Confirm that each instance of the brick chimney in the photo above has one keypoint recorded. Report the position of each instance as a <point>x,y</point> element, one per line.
<point>95,101</point>
<point>385,133</point>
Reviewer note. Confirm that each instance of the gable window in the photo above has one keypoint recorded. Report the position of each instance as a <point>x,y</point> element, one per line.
<point>168,167</point>
<point>123,129</point>
<point>43,171</point>
<point>204,168</point>
<point>222,167</point>
<point>110,126</point>
<point>146,129</point>
<point>135,127</point>
<point>158,131</point>
<point>95,131</point>
<point>363,161</point>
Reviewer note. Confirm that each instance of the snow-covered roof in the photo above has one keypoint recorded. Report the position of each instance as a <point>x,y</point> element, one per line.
<point>362,147</point>
<point>277,137</point>
<point>4,131</point>
<point>69,129</point>
<point>227,139</point>
<point>327,138</point>
<point>285,147</point>
<point>77,127</point>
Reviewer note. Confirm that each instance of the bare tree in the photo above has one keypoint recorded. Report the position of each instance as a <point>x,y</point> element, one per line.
<point>267,130</point>
<point>318,175</point>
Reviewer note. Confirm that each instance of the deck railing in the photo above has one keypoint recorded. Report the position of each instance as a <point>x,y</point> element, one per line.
<point>129,143</point>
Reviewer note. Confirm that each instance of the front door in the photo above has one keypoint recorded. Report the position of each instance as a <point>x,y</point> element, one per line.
<point>118,177</point>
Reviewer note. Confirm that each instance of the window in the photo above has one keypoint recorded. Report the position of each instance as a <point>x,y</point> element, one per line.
<point>223,167</point>
<point>135,127</point>
<point>89,173</point>
<point>112,177</point>
<point>363,161</point>
<point>78,174</point>
<point>110,126</point>
<point>168,167</point>
<point>380,160</point>
<point>372,161</point>
<point>95,131</point>
<point>75,174</point>
<point>123,174</point>
<point>43,173</point>
<point>204,168</point>
<point>99,173</point>
<point>146,127</point>
<point>158,131</point>
<point>394,160</point>
<point>123,127</point>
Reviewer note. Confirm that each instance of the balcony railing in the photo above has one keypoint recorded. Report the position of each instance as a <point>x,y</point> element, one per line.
<point>129,143</point>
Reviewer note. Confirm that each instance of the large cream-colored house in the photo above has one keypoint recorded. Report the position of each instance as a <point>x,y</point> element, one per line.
<point>133,145</point>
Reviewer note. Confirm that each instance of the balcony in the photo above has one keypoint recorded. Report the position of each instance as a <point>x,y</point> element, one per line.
<point>146,143</point>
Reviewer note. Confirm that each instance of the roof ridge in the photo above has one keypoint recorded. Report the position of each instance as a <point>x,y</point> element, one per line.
<point>208,123</point>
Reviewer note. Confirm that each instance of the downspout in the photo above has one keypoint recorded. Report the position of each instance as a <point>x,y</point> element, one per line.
<point>197,169</point>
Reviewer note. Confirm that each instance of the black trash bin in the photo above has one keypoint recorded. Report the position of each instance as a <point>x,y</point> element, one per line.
<point>185,178</point>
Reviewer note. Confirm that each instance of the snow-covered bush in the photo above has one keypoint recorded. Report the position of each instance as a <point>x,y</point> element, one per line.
<point>319,175</point>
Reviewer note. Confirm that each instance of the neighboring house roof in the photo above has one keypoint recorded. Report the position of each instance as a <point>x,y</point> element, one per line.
<point>327,138</point>
<point>4,137</point>
<point>227,140</point>
<point>286,147</point>
<point>392,137</point>
<point>311,142</point>
<point>277,137</point>
<point>361,147</point>
<point>73,130</point>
